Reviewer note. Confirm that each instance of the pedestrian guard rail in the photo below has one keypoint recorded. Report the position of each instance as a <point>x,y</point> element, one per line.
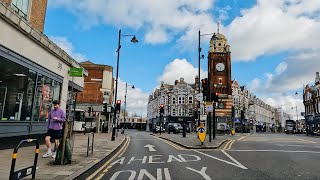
<point>31,170</point>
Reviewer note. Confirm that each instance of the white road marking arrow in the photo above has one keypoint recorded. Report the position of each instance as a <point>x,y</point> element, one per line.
<point>151,147</point>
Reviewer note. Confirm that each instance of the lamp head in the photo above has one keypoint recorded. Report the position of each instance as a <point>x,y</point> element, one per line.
<point>134,39</point>
<point>133,87</point>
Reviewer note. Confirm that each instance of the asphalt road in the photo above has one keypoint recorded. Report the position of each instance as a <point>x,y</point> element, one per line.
<point>259,156</point>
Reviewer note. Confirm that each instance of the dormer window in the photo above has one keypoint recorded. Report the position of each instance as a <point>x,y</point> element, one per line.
<point>21,7</point>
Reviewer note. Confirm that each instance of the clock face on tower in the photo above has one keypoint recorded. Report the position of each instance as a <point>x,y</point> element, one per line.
<point>220,67</point>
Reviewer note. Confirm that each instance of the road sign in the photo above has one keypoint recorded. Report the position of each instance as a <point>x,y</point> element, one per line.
<point>209,108</point>
<point>203,117</point>
<point>199,96</point>
<point>201,133</point>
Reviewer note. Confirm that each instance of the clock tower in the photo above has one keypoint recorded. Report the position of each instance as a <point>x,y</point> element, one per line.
<point>219,65</point>
<point>219,75</point>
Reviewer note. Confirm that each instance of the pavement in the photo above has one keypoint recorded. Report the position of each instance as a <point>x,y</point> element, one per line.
<point>191,140</point>
<point>103,146</point>
<point>255,156</point>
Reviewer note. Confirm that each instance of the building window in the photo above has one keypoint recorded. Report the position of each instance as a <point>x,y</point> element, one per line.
<point>220,81</point>
<point>179,100</point>
<point>173,100</point>
<point>21,7</point>
<point>173,112</point>
<point>190,112</point>
<point>190,100</point>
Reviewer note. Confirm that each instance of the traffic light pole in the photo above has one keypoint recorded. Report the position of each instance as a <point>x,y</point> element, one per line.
<point>199,50</point>
<point>209,124</point>
<point>214,122</point>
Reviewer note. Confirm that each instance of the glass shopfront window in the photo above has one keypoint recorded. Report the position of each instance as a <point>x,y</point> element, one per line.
<point>25,95</point>
<point>16,91</point>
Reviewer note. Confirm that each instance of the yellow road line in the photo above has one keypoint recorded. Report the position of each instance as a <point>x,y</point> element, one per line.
<point>225,146</point>
<point>105,164</point>
<point>307,140</point>
<point>230,144</point>
<point>125,148</point>
<point>171,144</point>
<point>242,138</point>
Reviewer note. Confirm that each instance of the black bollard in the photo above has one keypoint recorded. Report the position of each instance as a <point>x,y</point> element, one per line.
<point>184,130</point>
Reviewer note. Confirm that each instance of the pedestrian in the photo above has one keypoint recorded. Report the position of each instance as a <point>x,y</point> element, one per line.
<point>55,122</point>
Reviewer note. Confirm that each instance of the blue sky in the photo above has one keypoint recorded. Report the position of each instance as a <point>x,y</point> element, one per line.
<point>267,39</point>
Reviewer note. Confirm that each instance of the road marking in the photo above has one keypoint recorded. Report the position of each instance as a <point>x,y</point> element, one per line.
<point>230,145</point>
<point>306,140</point>
<point>275,140</point>
<point>242,138</point>
<point>235,162</point>
<point>125,148</point>
<point>105,164</point>
<point>226,146</point>
<point>202,172</point>
<point>150,147</point>
<point>271,150</point>
<point>171,144</point>
<point>297,145</point>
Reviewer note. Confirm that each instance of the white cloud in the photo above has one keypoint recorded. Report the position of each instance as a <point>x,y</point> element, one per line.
<point>67,46</point>
<point>274,26</point>
<point>281,68</point>
<point>136,99</point>
<point>159,19</point>
<point>180,68</point>
<point>287,103</point>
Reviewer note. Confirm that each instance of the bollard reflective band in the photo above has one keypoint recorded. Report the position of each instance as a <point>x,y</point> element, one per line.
<point>29,140</point>
<point>14,156</point>
<point>37,151</point>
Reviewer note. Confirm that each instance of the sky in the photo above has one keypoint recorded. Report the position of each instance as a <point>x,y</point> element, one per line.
<point>274,43</point>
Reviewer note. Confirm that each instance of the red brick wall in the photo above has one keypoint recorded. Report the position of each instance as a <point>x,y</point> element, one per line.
<point>38,14</point>
<point>91,90</point>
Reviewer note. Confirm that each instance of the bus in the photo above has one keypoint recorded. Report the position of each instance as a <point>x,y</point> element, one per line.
<point>290,127</point>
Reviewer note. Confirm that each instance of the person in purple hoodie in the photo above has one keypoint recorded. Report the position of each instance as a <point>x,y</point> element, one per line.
<point>55,122</point>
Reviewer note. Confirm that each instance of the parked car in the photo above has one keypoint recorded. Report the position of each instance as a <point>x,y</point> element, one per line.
<point>175,128</point>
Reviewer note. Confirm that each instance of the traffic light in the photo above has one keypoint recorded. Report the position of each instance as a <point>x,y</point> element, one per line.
<point>204,83</point>
<point>215,96</point>
<point>89,110</point>
<point>161,109</point>
<point>118,106</point>
<point>105,107</point>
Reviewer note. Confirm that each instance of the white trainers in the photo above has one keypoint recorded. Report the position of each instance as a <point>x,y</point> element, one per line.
<point>47,155</point>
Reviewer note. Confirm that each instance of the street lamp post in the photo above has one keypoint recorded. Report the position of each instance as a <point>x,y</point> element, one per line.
<point>133,40</point>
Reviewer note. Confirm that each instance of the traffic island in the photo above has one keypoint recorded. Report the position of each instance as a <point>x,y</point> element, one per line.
<point>192,141</point>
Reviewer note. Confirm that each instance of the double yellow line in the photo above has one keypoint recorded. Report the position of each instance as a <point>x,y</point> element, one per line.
<point>103,167</point>
<point>228,145</point>
<point>172,144</point>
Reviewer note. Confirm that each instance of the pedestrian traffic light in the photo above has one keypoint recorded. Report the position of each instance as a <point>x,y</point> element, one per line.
<point>215,97</point>
<point>161,109</point>
<point>204,84</point>
<point>118,106</point>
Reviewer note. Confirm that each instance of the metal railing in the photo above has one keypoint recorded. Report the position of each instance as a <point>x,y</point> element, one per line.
<point>25,171</point>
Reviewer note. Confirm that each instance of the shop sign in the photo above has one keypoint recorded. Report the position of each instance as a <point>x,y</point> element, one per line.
<point>76,72</point>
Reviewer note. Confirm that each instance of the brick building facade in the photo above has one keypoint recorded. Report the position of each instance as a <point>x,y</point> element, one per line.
<point>34,11</point>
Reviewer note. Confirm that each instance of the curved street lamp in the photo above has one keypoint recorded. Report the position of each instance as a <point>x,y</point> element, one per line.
<point>133,40</point>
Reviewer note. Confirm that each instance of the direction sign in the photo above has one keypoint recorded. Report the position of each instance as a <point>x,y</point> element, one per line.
<point>199,96</point>
<point>201,133</point>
